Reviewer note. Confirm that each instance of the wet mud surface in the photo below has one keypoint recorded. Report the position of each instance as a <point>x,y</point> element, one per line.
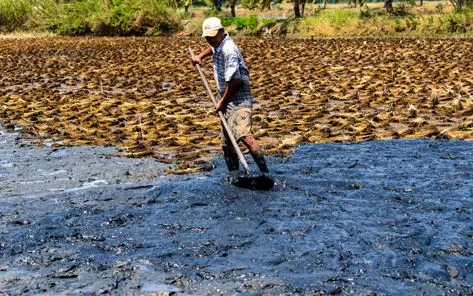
<point>26,169</point>
<point>373,218</point>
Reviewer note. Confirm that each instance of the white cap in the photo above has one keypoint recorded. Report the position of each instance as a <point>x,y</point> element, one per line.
<point>211,26</point>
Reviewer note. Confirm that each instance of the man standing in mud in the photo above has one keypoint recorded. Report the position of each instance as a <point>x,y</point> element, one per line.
<point>235,99</point>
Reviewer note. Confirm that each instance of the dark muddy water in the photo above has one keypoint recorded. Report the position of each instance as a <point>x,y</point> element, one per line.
<point>372,218</point>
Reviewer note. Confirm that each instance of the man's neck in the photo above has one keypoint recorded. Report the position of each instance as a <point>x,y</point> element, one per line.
<point>224,35</point>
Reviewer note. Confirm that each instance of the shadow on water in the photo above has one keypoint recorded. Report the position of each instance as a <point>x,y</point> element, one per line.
<point>381,217</point>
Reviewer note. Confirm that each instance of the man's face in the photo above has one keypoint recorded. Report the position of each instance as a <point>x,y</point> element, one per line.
<point>215,41</point>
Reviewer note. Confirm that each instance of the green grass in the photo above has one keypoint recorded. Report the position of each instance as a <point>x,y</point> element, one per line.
<point>457,22</point>
<point>14,13</point>
<point>98,17</point>
<point>249,22</point>
<point>337,17</point>
<point>121,17</point>
<point>154,17</point>
<point>377,23</point>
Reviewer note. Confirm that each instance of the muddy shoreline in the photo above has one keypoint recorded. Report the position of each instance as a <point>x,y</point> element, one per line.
<point>28,169</point>
<point>371,218</point>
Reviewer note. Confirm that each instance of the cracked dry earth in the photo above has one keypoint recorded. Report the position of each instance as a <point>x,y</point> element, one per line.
<point>372,218</point>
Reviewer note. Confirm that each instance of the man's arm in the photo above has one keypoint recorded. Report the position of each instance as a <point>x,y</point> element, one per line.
<point>197,59</point>
<point>229,90</point>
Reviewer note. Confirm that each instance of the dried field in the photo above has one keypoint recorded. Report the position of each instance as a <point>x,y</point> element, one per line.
<point>145,96</point>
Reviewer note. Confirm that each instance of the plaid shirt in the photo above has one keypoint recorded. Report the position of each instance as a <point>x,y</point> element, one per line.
<point>228,65</point>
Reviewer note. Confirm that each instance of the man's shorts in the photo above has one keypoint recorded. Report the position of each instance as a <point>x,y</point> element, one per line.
<point>240,125</point>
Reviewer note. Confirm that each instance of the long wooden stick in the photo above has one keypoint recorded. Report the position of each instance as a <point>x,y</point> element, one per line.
<point>222,118</point>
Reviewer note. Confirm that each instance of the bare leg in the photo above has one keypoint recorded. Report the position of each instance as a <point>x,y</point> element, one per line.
<point>256,152</point>
<point>231,158</point>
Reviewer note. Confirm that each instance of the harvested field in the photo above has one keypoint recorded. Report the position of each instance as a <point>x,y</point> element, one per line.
<point>144,95</point>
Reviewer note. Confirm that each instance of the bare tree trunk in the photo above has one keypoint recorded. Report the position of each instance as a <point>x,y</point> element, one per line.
<point>303,7</point>
<point>297,12</point>
<point>233,10</point>
<point>388,5</point>
<point>218,5</point>
<point>265,4</point>
<point>421,2</point>
<point>325,4</point>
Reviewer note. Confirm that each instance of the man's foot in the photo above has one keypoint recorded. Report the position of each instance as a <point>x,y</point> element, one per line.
<point>254,182</point>
<point>233,176</point>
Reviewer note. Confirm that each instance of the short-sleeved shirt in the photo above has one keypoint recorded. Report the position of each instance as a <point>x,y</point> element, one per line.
<point>228,65</point>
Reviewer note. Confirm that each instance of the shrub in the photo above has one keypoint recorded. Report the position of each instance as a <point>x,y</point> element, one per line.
<point>439,8</point>
<point>412,22</point>
<point>75,18</point>
<point>337,17</point>
<point>462,4</point>
<point>400,25</point>
<point>249,22</point>
<point>14,14</point>
<point>365,12</point>
<point>458,22</point>
<point>117,17</point>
